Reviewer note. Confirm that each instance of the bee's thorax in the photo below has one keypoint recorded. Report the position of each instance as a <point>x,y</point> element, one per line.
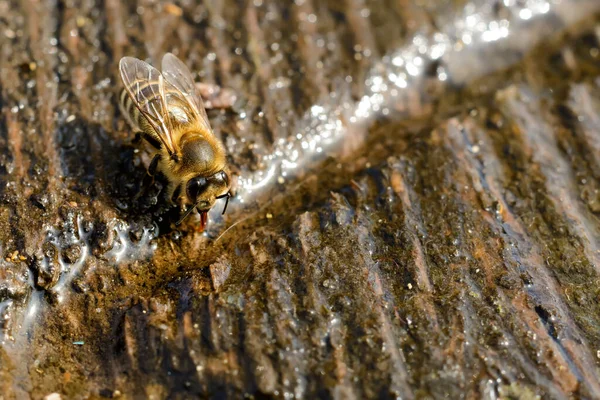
<point>200,154</point>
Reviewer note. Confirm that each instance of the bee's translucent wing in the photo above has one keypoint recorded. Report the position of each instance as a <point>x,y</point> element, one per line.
<point>145,86</point>
<point>178,76</point>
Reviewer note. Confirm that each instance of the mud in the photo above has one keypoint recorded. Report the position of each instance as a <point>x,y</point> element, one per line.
<point>416,211</point>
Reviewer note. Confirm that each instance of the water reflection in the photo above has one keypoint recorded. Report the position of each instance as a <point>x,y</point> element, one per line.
<point>454,48</point>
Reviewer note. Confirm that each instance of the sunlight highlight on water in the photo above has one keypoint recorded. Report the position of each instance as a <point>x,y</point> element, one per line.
<point>326,125</point>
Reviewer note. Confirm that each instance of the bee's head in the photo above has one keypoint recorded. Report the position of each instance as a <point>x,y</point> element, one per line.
<point>204,191</point>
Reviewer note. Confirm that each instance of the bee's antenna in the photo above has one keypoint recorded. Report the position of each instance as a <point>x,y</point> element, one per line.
<point>185,214</point>
<point>227,196</point>
<point>189,210</point>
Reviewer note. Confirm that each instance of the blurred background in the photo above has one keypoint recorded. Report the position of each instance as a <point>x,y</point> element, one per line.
<point>416,213</point>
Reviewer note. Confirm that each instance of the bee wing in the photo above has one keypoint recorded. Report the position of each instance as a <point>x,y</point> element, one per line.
<point>178,76</point>
<point>146,87</point>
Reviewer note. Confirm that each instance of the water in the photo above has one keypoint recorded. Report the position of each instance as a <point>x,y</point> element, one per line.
<point>482,39</point>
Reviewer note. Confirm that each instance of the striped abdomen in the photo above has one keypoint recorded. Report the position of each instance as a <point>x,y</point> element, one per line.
<point>132,114</point>
<point>176,110</point>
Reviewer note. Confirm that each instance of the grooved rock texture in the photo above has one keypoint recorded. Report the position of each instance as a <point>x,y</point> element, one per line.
<point>417,211</point>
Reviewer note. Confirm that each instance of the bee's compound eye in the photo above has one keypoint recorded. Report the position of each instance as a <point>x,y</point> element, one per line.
<point>225,177</point>
<point>220,178</point>
<point>195,186</point>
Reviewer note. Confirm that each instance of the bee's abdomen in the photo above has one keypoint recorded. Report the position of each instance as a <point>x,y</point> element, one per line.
<point>129,110</point>
<point>134,117</point>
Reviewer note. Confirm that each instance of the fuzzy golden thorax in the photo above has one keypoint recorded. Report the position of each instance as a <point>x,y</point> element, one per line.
<point>198,172</point>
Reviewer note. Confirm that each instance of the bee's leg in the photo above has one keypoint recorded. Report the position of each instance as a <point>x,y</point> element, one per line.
<point>153,165</point>
<point>148,179</point>
<point>141,135</point>
<point>176,194</point>
<point>154,142</point>
<point>137,139</point>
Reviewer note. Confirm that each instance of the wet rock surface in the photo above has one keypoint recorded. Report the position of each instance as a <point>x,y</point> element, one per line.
<point>416,216</point>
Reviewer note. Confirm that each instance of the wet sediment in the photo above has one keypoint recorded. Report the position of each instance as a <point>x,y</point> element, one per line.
<point>442,241</point>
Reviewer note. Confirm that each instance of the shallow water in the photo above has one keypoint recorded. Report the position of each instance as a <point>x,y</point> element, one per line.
<point>349,140</point>
<point>481,39</point>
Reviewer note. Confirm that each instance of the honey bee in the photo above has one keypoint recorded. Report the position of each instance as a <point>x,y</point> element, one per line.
<point>166,111</point>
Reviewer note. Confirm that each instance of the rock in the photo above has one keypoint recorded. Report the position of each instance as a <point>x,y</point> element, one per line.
<point>416,208</point>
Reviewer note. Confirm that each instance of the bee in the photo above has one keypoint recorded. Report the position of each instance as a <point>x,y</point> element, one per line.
<point>165,109</point>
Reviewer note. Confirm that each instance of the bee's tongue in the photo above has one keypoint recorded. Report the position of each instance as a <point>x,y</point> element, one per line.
<point>203,219</point>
